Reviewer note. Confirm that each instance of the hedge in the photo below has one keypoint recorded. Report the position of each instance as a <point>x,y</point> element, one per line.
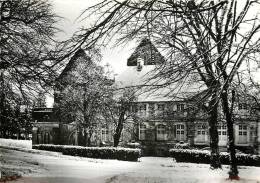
<point>49,147</point>
<point>125,154</point>
<point>202,156</point>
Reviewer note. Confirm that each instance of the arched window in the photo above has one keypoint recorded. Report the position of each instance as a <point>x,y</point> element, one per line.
<point>39,137</point>
<point>142,130</point>
<point>161,132</point>
<point>46,138</point>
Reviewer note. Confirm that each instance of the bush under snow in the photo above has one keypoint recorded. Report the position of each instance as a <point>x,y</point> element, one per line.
<point>203,156</point>
<point>118,153</point>
<point>49,147</point>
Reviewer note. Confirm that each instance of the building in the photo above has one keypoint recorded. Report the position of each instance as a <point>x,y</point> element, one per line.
<point>167,120</point>
<point>163,120</point>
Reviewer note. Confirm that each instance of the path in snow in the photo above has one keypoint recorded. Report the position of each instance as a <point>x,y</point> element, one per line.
<point>48,167</point>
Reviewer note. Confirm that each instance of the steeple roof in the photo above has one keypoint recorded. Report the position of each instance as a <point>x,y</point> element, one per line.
<point>73,62</point>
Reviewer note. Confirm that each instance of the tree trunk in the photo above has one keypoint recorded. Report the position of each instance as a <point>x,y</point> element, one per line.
<point>81,138</point>
<point>119,129</point>
<point>87,138</point>
<point>233,173</point>
<point>117,136</point>
<point>213,132</point>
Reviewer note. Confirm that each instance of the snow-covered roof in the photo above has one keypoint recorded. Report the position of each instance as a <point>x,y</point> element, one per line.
<point>138,77</point>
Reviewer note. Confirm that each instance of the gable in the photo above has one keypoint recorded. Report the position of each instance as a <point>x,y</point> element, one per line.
<point>148,52</point>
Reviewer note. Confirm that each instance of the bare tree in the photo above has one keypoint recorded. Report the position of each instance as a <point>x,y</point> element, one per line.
<point>132,20</point>
<point>28,54</point>
<point>118,111</point>
<point>204,41</point>
<point>28,50</point>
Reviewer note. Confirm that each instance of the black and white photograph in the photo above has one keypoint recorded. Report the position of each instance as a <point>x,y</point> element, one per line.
<point>130,91</point>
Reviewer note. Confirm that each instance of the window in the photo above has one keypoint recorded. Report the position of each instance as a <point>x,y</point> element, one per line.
<point>104,134</point>
<point>242,106</point>
<point>142,109</point>
<point>151,109</point>
<point>180,107</point>
<point>253,134</point>
<point>222,132</point>
<point>142,130</point>
<point>201,133</point>
<point>161,132</point>
<point>180,133</point>
<point>161,107</point>
<point>46,117</point>
<point>134,108</point>
<point>242,134</point>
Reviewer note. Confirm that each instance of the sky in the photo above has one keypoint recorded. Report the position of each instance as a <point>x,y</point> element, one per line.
<point>116,57</point>
<point>69,10</point>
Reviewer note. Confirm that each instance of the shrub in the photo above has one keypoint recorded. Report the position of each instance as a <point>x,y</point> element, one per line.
<point>133,145</point>
<point>182,145</point>
<point>125,154</point>
<point>202,156</point>
<point>48,147</point>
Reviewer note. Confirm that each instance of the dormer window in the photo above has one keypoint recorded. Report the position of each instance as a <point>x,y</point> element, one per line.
<point>140,64</point>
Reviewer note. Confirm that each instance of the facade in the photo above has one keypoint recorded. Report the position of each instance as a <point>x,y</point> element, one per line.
<point>174,126</point>
<point>166,121</point>
<point>162,121</point>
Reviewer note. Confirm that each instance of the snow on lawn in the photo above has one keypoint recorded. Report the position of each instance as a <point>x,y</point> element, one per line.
<point>67,169</point>
<point>16,143</point>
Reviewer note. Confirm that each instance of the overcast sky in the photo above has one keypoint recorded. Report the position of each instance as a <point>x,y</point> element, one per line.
<point>71,9</point>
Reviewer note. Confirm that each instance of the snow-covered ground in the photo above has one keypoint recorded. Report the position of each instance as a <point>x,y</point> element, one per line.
<point>16,143</point>
<point>56,168</point>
